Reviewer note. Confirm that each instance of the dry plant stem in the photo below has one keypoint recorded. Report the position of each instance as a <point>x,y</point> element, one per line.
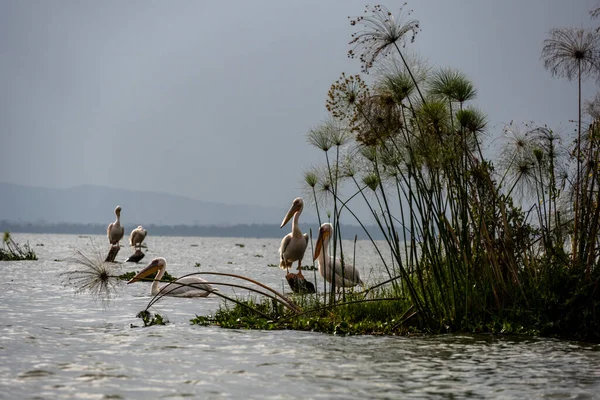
<point>578,177</point>
<point>166,292</point>
<point>289,304</point>
<point>410,73</point>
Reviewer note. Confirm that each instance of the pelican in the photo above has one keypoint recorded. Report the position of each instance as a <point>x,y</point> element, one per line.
<point>293,244</point>
<point>137,236</point>
<point>194,286</point>
<point>350,276</point>
<point>115,231</point>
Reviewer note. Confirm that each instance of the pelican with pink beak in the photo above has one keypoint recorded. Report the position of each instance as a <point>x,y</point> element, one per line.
<point>294,244</point>
<point>330,269</point>
<point>188,286</point>
<point>115,231</point>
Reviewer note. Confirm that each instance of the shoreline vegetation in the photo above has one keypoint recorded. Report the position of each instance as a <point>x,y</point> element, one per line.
<point>13,251</point>
<point>506,245</point>
<point>470,244</point>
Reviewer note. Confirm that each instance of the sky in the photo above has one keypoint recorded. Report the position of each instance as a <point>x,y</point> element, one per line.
<point>213,100</point>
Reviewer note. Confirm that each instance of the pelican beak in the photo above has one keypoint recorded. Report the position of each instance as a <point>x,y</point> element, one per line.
<point>152,267</point>
<point>319,245</point>
<point>295,207</point>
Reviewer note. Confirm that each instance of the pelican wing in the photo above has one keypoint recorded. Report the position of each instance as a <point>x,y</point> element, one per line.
<point>119,232</point>
<point>285,242</point>
<point>347,276</point>
<point>292,249</point>
<point>115,233</point>
<point>137,236</point>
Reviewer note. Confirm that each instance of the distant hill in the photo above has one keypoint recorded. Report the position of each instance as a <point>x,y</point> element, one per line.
<point>89,204</point>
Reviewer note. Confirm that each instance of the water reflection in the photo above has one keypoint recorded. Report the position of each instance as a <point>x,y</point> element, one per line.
<point>58,344</point>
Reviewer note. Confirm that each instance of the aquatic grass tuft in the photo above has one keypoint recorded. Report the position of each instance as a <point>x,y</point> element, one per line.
<point>150,319</point>
<point>93,275</point>
<point>12,251</point>
<point>355,316</point>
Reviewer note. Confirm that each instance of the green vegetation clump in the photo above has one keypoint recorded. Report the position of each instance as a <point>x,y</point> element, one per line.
<point>12,251</point>
<point>509,245</point>
<point>471,244</point>
<point>356,316</point>
<point>150,319</point>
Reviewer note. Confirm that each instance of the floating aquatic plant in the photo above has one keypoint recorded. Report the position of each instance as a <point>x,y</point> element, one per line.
<point>150,319</point>
<point>12,251</point>
<point>92,274</point>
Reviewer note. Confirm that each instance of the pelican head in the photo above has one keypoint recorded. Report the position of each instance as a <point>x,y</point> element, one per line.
<point>297,206</point>
<point>154,266</point>
<point>324,234</point>
<point>118,211</point>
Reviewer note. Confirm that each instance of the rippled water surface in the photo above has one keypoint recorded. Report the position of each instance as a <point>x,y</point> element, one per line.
<point>58,344</point>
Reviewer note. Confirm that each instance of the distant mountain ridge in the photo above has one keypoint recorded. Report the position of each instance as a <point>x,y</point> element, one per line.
<point>89,204</point>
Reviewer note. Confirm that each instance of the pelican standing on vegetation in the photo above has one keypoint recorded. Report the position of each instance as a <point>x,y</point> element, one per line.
<point>293,244</point>
<point>137,236</point>
<point>115,231</point>
<point>189,286</point>
<point>330,268</point>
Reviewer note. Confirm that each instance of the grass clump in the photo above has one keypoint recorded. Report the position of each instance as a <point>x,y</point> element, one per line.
<point>150,319</point>
<point>245,314</point>
<point>12,251</point>
<point>357,315</point>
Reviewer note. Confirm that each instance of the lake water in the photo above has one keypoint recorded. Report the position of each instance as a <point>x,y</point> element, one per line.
<point>59,344</point>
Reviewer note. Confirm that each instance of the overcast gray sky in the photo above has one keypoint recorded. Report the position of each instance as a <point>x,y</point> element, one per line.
<point>212,100</point>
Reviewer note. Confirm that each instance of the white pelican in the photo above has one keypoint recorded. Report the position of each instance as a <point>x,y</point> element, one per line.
<point>137,236</point>
<point>115,231</point>
<point>194,286</point>
<point>293,244</point>
<point>349,277</point>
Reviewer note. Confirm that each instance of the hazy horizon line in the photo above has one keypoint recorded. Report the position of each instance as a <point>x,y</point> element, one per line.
<point>253,230</point>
